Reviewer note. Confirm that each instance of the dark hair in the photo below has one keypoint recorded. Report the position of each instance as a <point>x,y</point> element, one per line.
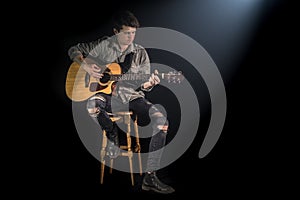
<point>125,18</point>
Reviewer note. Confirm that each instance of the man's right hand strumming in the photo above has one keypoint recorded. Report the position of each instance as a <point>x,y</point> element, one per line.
<point>91,68</point>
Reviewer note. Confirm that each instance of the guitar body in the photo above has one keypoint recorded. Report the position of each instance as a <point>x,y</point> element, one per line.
<point>80,86</point>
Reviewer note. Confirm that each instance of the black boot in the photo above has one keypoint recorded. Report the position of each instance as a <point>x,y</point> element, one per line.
<point>113,145</point>
<point>151,182</point>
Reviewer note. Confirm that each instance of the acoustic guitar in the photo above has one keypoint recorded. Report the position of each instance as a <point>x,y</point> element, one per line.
<point>80,85</point>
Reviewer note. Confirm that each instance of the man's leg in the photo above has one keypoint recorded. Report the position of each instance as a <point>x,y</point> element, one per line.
<point>144,109</point>
<point>98,107</point>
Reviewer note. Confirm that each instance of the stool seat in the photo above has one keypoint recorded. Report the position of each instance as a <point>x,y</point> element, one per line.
<point>124,117</point>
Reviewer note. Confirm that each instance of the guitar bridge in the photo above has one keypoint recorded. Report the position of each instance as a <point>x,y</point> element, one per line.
<point>95,86</point>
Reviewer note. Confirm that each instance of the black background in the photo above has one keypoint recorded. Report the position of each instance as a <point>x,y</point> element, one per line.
<point>248,160</point>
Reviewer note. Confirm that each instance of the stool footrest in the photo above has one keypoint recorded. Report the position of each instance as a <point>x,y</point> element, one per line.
<point>124,147</point>
<point>129,154</point>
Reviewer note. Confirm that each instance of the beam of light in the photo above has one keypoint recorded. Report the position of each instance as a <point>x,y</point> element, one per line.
<point>225,28</point>
<point>229,26</point>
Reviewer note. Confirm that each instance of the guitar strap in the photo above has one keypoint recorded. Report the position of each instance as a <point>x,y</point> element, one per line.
<point>126,64</point>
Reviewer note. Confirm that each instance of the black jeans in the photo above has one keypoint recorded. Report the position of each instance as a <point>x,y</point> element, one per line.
<point>101,104</point>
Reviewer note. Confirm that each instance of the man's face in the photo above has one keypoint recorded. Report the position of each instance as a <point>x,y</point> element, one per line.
<point>126,35</point>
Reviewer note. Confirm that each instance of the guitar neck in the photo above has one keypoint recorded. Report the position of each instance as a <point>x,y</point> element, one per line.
<point>129,77</point>
<point>145,77</point>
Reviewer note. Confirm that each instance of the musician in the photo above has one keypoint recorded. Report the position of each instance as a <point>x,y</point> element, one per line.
<point>133,58</point>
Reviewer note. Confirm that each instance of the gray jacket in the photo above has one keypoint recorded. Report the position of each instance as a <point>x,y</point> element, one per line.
<point>106,50</point>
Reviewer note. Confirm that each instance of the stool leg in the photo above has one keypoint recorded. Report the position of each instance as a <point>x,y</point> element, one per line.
<point>138,146</point>
<point>111,165</point>
<point>127,121</point>
<point>102,156</point>
<point>130,166</point>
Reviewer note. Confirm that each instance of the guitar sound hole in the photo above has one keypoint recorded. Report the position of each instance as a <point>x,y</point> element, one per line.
<point>105,78</point>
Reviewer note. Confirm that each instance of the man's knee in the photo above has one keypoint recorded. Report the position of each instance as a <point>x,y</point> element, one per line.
<point>163,128</point>
<point>161,121</point>
<point>95,105</point>
<point>93,112</point>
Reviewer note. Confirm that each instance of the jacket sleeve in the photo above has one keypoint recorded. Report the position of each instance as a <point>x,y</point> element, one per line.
<point>145,67</point>
<point>85,49</point>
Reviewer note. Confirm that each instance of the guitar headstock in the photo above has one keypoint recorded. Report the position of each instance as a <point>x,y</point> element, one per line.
<point>173,76</point>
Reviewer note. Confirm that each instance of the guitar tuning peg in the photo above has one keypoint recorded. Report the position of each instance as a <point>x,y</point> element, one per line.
<point>174,79</point>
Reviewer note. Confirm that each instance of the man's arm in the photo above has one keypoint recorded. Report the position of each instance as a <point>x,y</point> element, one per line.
<point>80,51</point>
<point>145,68</point>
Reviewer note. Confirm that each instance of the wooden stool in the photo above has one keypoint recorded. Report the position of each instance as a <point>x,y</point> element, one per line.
<point>124,117</point>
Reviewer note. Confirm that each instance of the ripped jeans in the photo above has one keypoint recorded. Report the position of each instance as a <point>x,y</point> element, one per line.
<point>100,105</point>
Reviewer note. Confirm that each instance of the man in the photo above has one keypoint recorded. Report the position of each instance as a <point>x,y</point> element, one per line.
<point>133,58</point>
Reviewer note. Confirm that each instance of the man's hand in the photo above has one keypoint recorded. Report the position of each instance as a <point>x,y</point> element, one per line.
<point>153,80</point>
<point>93,70</point>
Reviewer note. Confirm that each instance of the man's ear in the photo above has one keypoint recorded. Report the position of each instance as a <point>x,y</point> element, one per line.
<point>115,31</point>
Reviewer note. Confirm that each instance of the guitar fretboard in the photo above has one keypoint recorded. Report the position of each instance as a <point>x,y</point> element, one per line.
<point>129,77</point>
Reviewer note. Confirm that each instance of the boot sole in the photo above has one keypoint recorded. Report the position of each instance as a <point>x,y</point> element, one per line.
<point>148,188</point>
